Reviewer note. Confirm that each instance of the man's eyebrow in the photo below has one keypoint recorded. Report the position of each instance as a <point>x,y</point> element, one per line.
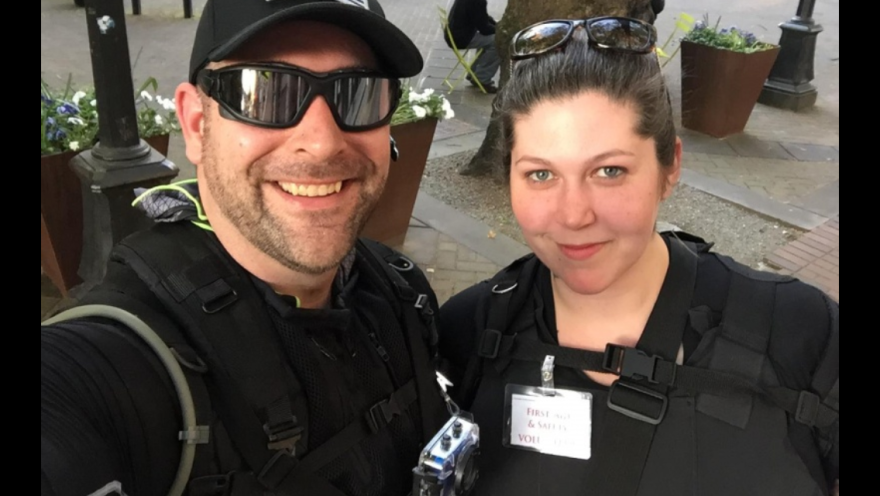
<point>357,67</point>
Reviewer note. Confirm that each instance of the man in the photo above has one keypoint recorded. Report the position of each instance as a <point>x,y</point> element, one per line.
<point>472,27</point>
<point>293,359</point>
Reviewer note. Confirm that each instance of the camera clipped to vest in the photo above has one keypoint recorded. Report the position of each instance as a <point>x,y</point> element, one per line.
<point>448,465</point>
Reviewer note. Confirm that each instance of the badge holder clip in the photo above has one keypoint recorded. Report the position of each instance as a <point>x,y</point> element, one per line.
<point>548,376</point>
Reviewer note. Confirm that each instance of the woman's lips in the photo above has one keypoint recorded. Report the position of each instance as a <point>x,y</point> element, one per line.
<point>581,252</point>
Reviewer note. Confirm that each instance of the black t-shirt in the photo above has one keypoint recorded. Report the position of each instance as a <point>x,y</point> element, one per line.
<point>795,349</point>
<point>110,417</point>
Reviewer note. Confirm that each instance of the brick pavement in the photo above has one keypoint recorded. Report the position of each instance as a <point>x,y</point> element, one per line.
<point>814,258</point>
<point>450,266</point>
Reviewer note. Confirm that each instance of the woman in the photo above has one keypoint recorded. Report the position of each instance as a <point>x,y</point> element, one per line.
<point>616,360</point>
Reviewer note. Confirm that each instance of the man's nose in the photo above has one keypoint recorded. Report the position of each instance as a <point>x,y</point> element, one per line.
<point>317,134</point>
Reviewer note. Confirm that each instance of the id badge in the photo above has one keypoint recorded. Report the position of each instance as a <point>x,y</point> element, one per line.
<point>549,421</point>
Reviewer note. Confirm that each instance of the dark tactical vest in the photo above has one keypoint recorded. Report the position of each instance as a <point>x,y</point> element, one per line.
<point>717,426</point>
<point>206,309</point>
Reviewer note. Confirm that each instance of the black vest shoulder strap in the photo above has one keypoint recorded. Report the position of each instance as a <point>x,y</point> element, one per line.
<point>260,402</point>
<point>405,283</point>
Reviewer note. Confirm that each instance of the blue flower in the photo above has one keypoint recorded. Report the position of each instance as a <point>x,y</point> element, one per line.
<point>50,122</point>
<point>58,135</point>
<point>45,99</point>
<point>68,109</point>
<point>725,31</point>
<point>700,25</point>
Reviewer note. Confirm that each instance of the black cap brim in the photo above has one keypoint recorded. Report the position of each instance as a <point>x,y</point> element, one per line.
<point>397,54</point>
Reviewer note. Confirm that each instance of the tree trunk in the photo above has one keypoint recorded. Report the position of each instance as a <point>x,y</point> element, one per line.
<point>521,14</point>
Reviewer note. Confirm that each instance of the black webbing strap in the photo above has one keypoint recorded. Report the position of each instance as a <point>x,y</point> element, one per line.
<point>637,407</point>
<point>381,415</point>
<point>232,334</point>
<point>418,320</point>
<point>631,363</point>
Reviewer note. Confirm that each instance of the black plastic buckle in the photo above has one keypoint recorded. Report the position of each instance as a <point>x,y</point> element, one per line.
<point>381,415</point>
<point>490,344</point>
<point>219,303</point>
<point>808,408</point>
<point>631,363</point>
<point>651,394</point>
<point>283,437</point>
<point>422,302</point>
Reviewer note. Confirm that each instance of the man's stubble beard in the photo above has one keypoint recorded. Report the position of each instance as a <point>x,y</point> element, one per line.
<point>245,207</point>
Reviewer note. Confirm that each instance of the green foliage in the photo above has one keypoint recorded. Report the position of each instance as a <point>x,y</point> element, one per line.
<point>732,38</point>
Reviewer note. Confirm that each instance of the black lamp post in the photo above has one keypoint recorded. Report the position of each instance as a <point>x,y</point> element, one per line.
<point>121,161</point>
<point>789,86</point>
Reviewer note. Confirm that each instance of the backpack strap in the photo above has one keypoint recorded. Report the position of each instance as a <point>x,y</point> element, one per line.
<point>261,403</point>
<point>637,404</point>
<point>406,286</point>
<point>196,427</point>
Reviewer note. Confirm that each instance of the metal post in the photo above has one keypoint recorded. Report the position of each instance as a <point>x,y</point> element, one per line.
<point>121,161</point>
<point>789,85</point>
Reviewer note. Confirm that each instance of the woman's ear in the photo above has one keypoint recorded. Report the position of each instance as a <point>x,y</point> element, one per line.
<point>191,114</point>
<point>673,174</point>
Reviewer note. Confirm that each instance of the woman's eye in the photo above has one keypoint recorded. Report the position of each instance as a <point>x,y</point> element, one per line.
<point>611,172</point>
<point>541,176</point>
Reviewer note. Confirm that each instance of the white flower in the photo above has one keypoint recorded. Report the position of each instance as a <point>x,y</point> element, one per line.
<point>94,103</point>
<point>448,113</point>
<point>415,98</point>
<point>78,97</point>
<point>74,146</point>
<point>428,93</point>
<point>146,96</point>
<point>76,121</point>
<point>159,120</point>
<point>420,112</point>
<point>166,103</point>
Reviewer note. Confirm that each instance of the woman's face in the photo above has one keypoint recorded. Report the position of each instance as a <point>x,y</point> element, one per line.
<point>586,188</point>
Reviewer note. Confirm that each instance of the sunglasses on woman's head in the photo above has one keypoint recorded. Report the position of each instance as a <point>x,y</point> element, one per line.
<point>613,33</point>
<point>277,96</point>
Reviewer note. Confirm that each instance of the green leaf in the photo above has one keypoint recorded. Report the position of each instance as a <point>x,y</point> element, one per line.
<point>151,82</point>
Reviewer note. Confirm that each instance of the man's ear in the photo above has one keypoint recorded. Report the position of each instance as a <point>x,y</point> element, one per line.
<point>191,114</point>
<point>673,174</point>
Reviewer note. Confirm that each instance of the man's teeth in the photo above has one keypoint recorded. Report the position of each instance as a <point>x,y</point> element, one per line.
<point>312,190</point>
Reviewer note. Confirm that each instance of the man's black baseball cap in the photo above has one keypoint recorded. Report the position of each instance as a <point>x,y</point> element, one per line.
<point>228,24</point>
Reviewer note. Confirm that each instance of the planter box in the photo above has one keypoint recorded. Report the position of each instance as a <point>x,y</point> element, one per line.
<point>391,219</point>
<point>61,216</point>
<point>720,87</point>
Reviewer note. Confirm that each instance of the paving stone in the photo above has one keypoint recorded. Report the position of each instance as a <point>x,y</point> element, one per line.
<point>812,153</point>
<point>447,260</point>
<point>475,266</point>
<point>748,146</point>
<point>700,143</point>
